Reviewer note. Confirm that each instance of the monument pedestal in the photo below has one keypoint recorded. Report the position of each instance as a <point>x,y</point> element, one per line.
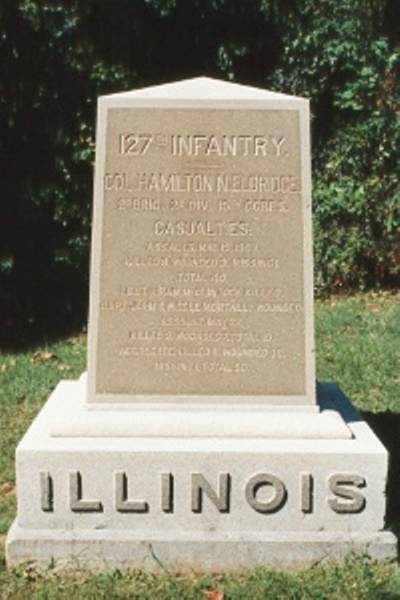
<point>108,494</point>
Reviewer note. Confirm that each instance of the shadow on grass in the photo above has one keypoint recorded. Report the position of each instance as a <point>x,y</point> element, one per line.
<point>386,426</point>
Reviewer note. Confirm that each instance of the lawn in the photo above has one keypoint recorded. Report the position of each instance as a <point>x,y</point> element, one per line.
<point>357,342</point>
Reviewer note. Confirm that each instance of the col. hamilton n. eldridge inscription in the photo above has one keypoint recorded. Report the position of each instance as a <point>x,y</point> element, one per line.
<point>202,252</point>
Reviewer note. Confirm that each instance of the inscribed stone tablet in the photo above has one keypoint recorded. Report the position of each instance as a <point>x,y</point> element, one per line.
<point>201,265</point>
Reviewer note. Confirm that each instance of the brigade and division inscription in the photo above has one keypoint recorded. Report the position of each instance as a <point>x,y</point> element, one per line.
<point>201,286</point>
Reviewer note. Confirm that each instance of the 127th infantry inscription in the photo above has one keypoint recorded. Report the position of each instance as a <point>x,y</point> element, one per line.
<point>201,289</point>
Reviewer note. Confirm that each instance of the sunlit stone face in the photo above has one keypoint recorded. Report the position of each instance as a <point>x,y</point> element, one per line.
<point>203,260</point>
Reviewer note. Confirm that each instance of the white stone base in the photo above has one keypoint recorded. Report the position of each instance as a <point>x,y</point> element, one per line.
<point>198,503</point>
<point>207,552</point>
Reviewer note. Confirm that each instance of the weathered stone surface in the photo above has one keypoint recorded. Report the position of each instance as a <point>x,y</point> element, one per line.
<point>106,502</point>
<point>98,551</point>
<point>202,269</point>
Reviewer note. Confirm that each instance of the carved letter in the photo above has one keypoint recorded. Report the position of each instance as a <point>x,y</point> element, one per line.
<point>76,503</point>
<point>278,144</point>
<point>200,485</point>
<point>167,492</point>
<point>306,492</point>
<point>122,504</point>
<point>341,485</point>
<point>274,503</point>
<point>46,492</point>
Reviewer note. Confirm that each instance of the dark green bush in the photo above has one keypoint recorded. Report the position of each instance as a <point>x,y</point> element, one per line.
<point>343,56</point>
<point>57,57</point>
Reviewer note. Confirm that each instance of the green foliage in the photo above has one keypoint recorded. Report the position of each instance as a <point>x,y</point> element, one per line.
<point>342,56</point>
<point>58,57</point>
<point>51,74</point>
<point>357,182</point>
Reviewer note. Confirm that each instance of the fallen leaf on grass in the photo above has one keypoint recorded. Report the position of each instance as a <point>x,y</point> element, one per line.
<point>64,368</point>
<point>374,308</point>
<point>3,368</point>
<point>42,356</point>
<point>213,595</point>
<point>8,488</point>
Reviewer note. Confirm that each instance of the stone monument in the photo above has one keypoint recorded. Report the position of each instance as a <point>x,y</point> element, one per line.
<point>199,439</point>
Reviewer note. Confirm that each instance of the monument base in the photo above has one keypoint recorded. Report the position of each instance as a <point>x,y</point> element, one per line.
<point>199,552</point>
<point>97,502</point>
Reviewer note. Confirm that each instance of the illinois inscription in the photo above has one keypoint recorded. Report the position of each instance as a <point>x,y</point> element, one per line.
<point>201,280</point>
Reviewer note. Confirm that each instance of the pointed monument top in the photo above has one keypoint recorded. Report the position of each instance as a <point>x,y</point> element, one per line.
<point>203,88</point>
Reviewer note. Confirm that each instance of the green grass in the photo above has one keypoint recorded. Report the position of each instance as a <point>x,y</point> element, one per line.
<point>357,347</point>
<point>354,579</point>
<point>26,379</point>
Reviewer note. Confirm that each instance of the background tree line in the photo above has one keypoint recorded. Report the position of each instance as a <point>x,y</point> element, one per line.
<point>57,57</point>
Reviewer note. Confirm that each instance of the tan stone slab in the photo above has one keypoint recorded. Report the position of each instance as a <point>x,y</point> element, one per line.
<point>201,287</point>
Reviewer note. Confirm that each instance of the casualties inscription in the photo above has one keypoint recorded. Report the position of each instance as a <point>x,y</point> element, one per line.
<point>201,278</point>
